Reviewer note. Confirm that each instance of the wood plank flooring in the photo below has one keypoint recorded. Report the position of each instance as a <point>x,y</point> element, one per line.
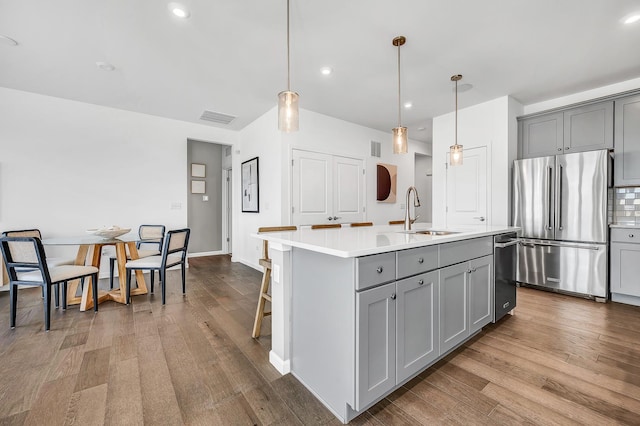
<point>559,361</point>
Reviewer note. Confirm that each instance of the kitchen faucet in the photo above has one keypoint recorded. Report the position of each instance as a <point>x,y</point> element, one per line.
<point>416,203</point>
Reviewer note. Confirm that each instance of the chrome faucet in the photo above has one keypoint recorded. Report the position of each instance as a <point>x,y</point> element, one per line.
<point>416,203</point>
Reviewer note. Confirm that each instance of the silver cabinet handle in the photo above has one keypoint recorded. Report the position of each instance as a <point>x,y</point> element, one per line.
<point>420,282</point>
<point>421,260</point>
<point>330,218</point>
<point>630,235</point>
<point>480,218</point>
<point>393,296</point>
<point>379,269</point>
<point>469,271</point>
<point>336,217</point>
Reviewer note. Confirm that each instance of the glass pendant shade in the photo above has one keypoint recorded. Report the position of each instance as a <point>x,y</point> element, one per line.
<point>455,155</point>
<point>288,111</point>
<point>400,140</point>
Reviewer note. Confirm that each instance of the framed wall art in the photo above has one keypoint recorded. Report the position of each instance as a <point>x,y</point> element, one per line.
<point>250,186</point>
<point>198,187</point>
<point>198,170</point>
<point>387,179</point>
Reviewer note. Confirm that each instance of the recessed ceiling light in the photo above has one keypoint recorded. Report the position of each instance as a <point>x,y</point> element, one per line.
<point>179,10</point>
<point>105,66</point>
<point>326,70</point>
<point>408,105</point>
<point>631,18</point>
<point>8,41</point>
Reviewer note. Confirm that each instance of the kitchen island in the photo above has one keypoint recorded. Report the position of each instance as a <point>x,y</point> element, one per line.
<point>357,312</point>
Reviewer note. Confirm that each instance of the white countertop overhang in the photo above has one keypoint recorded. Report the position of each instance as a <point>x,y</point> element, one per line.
<point>349,242</point>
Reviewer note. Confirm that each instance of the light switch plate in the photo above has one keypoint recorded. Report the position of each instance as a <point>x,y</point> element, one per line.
<point>205,198</point>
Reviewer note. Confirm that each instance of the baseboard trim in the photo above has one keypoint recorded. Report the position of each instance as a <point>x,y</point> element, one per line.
<point>207,253</point>
<point>283,367</point>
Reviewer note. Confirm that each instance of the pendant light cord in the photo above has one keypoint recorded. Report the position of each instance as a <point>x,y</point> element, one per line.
<point>288,53</point>
<point>456,113</point>
<point>399,101</point>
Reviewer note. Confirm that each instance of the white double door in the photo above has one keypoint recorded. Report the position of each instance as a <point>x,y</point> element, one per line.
<point>326,188</point>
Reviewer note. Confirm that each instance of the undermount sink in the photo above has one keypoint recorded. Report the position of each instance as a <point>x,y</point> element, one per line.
<point>430,232</point>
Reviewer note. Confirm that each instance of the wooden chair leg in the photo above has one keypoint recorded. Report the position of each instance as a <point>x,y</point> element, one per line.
<point>264,288</point>
<point>13,294</point>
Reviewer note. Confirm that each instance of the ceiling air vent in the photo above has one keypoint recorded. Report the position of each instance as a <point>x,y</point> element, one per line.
<point>217,117</point>
<point>375,149</point>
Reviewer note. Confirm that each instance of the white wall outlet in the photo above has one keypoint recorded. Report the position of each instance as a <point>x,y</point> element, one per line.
<point>205,198</point>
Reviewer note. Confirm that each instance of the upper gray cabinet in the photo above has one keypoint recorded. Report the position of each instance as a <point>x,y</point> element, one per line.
<point>584,128</point>
<point>541,136</point>
<point>589,127</point>
<point>627,141</point>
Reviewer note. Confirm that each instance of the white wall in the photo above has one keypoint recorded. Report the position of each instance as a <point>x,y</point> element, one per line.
<point>587,95</point>
<point>492,124</point>
<point>68,166</point>
<point>317,133</point>
<point>423,182</point>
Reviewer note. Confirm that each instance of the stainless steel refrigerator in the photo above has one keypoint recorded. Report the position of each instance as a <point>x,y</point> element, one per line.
<point>560,202</point>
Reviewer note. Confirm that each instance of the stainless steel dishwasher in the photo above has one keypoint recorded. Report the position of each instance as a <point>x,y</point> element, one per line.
<point>505,256</point>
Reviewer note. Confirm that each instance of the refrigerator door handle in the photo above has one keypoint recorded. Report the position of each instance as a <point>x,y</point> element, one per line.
<point>550,197</point>
<point>560,197</point>
<point>554,244</point>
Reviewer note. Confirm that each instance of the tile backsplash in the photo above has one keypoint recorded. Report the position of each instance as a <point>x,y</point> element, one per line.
<point>626,207</point>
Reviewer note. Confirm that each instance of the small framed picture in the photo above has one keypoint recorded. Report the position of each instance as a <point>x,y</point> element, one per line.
<point>198,187</point>
<point>198,170</point>
<point>250,186</point>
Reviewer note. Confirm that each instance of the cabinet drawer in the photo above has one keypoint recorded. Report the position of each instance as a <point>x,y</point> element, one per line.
<point>460,251</point>
<point>375,269</point>
<point>417,260</point>
<point>625,235</point>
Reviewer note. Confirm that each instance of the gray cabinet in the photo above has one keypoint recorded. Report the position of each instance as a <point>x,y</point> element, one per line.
<point>454,326</point>
<point>417,331</point>
<point>541,135</point>
<point>481,287</point>
<point>625,265</point>
<point>585,128</point>
<point>375,344</point>
<point>627,141</point>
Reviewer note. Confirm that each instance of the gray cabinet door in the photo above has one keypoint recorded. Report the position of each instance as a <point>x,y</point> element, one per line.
<point>541,135</point>
<point>480,293</point>
<point>454,324</point>
<point>625,269</point>
<point>588,128</point>
<point>375,343</point>
<point>417,326</point>
<point>627,141</point>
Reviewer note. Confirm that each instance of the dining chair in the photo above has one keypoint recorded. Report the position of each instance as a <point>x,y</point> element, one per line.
<point>51,262</point>
<point>174,252</point>
<point>150,244</point>
<point>326,226</point>
<point>357,224</point>
<point>26,264</point>
<point>265,262</point>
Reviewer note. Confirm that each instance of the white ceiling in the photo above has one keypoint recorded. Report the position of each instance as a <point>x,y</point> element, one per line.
<point>230,56</point>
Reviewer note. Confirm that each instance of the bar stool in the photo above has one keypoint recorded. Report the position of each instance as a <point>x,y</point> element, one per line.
<point>265,262</point>
<point>326,226</point>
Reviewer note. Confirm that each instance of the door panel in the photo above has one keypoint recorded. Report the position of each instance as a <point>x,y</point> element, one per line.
<point>534,196</point>
<point>454,327</point>
<point>467,189</point>
<point>581,193</point>
<point>311,187</point>
<point>375,343</point>
<point>480,293</point>
<point>348,189</point>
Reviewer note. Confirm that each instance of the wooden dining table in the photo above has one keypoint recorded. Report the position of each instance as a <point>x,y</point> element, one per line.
<point>90,252</point>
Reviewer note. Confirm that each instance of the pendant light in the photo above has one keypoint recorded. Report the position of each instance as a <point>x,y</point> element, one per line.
<point>455,151</point>
<point>288,116</point>
<point>399,133</point>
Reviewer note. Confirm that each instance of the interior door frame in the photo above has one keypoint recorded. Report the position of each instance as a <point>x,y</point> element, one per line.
<point>227,210</point>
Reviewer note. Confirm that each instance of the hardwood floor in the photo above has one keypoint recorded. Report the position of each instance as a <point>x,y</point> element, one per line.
<point>559,360</point>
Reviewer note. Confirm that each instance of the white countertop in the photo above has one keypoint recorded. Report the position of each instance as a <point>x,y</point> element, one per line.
<point>363,241</point>
<point>623,225</point>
